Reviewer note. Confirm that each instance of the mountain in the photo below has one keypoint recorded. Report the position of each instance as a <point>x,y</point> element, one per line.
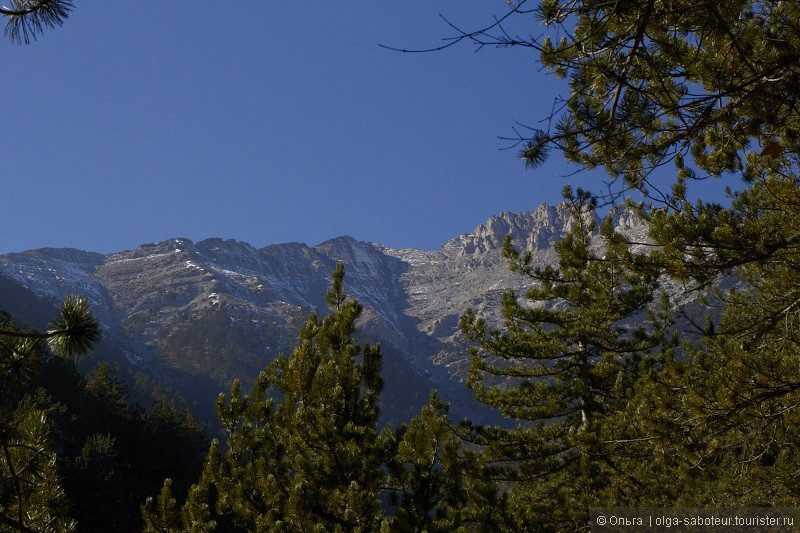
<point>198,315</point>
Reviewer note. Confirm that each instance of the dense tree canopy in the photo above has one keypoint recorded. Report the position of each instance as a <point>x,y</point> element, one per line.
<point>75,455</point>
<point>304,451</point>
<point>655,80</point>
<point>32,497</point>
<point>562,368</point>
<point>712,88</point>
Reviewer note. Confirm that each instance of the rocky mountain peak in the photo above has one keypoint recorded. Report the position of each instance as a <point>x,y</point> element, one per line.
<point>534,230</point>
<point>222,308</point>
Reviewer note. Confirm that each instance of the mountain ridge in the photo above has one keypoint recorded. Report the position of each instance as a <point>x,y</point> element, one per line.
<point>221,309</point>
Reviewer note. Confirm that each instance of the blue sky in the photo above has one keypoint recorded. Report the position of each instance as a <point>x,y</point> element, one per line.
<point>265,122</point>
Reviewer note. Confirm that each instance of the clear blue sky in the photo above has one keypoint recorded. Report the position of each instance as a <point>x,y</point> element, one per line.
<point>265,122</point>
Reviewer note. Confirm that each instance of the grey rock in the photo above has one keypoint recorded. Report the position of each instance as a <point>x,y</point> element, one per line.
<point>164,297</point>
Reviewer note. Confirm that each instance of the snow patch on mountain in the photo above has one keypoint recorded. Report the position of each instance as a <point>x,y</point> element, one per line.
<point>412,299</point>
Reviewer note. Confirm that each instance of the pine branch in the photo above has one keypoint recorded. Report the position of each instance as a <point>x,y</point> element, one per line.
<point>29,18</point>
<point>17,488</point>
<point>14,524</point>
<point>73,333</point>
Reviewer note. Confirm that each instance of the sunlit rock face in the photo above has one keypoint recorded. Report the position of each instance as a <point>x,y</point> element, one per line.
<point>222,309</point>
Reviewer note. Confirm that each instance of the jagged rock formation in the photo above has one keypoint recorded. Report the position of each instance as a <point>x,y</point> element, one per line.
<point>220,309</point>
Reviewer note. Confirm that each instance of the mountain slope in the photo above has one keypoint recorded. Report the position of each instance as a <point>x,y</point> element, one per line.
<point>215,310</point>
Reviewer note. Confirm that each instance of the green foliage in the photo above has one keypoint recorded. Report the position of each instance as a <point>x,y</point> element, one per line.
<point>32,497</point>
<point>712,87</point>
<point>19,357</point>
<point>736,413</point>
<point>304,452</point>
<point>562,368</point>
<point>651,81</point>
<point>602,407</point>
<point>426,473</point>
<point>75,331</point>
<point>75,455</point>
<point>72,334</point>
<point>107,389</point>
<point>752,237</point>
<point>161,515</point>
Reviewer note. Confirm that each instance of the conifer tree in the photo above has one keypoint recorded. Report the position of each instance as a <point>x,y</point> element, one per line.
<point>426,473</point>
<point>161,514</point>
<point>712,87</point>
<point>73,333</point>
<point>437,483</point>
<point>31,493</point>
<point>304,452</point>
<point>561,369</point>
<point>32,497</point>
<point>735,409</point>
<point>650,80</point>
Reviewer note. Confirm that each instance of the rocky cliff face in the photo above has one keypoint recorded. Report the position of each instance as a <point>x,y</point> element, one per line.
<point>222,309</point>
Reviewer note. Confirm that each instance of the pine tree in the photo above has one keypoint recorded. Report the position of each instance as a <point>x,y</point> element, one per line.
<point>713,88</point>
<point>426,473</point>
<point>304,452</point>
<point>561,369</point>
<point>438,482</point>
<point>74,332</point>
<point>735,410</point>
<point>161,515</point>
<point>651,80</point>
<point>32,497</point>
